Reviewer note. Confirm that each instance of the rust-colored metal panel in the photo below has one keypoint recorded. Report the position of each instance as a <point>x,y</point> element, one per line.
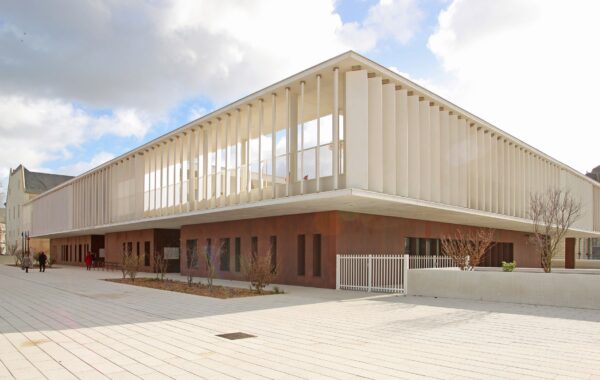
<point>570,253</point>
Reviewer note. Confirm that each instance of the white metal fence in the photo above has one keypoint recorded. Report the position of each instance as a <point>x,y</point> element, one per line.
<point>382,273</point>
<point>372,273</point>
<point>423,262</point>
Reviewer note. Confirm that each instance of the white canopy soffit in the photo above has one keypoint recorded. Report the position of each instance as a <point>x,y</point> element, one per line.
<point>350,200</point>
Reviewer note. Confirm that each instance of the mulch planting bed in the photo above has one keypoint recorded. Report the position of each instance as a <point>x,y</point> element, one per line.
<point>196,289</point>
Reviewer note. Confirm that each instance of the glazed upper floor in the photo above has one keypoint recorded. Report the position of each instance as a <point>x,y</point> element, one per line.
<point>347,123</point>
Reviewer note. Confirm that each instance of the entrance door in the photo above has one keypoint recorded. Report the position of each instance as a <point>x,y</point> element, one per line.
<point>570,253</point>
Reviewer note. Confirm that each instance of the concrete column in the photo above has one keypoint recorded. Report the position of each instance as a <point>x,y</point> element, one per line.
<point>318,147</point>
<point>248,171</point>
<point>216,177</point>
<point>301,116</point>
<point>446,180</point>
<point>261,118</point>
<point>375,131</point>
<point>205,156</point>
<point>356,130</point>
<point>435,155</point>
<point>238,147</point>
<point>414,145</point>
<point>402,141</point>
<point>425,149</point>
<point>227,181</point>
<point>180,172</point>
<point>390,169</point>
<point>336,127</point>
<point>288,131</point>
<point>274,144</point>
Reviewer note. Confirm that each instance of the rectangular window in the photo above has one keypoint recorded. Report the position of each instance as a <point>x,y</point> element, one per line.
<point>137,248</point>
<point>224,255</point>
<point>208,252</point>
<point>129,248</point>
<point>317,255</point>
<point>238,254</point>
<point>147,253</point>
<point>254,247</point>
<point>273,252</point>
<point>191,249</point>
<point>301,255</point>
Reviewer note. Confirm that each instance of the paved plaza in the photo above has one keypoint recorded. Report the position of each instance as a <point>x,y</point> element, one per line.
<point>67,323</point>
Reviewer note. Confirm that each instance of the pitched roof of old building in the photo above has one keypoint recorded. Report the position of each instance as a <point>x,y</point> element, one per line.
<point>37,183</point>
<point>594,174</point>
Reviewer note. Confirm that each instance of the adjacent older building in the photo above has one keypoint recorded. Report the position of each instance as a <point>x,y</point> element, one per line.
<point>3,250</point>
<point>344,157</point>
<point>23,186</point>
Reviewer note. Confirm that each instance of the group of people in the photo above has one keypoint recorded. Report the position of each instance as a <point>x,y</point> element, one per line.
<point>28,263</point>
<point>90,260</point>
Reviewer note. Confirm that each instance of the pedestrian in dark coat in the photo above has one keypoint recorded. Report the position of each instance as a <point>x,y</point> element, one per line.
<point>42,259</point>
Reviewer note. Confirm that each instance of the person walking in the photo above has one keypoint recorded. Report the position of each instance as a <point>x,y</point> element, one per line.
<point>42,259</point>
<point>26,262</point>
<point>88,261</point>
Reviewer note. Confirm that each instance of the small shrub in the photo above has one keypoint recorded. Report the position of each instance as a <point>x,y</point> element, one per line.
<point>276,290</point>
<point>509,267</point>
<point>51,261</point>
<point>259,270</point>
<point>132,266</point>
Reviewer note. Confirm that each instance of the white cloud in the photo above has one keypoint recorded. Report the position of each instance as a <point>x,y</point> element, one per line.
<point>140,59</point>
<point>34,131</point>
<point>395,19</point>
<point>531,68</point>
<point>83,166</point>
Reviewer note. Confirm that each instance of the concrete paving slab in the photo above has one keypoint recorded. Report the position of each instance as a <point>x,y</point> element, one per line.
<point>69,323</point>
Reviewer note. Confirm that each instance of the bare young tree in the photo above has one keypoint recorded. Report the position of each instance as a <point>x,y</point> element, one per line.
<point>211,259</point>
<point>553,213</point>
<point>259,269</point>
<point>160,265</point>
<point>192,260</point>
<point>17,254</point>
<point>467,249</point>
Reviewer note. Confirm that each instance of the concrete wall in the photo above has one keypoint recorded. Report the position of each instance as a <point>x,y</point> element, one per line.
<point>552,289</point>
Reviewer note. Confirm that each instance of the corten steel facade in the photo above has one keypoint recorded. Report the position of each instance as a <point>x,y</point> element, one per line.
<point>346,135</point>
<point>305,245</point>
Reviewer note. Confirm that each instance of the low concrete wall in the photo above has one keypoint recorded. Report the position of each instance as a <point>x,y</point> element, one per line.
<point>579,264</point>
<point>552,289</point>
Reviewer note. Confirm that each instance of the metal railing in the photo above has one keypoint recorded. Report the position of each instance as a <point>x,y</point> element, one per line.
<point>424,262</point>
<point>382,273</point>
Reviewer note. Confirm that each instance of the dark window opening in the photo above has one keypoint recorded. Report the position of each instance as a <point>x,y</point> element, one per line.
<point>254,247</point>
<point>301,255</point>
<point>224,255</point>
<point>317,255</point>
<point>273,252</point>
<point>147,253</point>
<point>238,254</point>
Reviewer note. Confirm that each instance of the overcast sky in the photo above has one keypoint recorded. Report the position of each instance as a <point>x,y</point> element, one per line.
<point>84,81</point>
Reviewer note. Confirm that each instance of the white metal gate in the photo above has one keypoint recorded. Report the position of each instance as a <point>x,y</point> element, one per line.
<point>372,273</point>
<point>382,273</point>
